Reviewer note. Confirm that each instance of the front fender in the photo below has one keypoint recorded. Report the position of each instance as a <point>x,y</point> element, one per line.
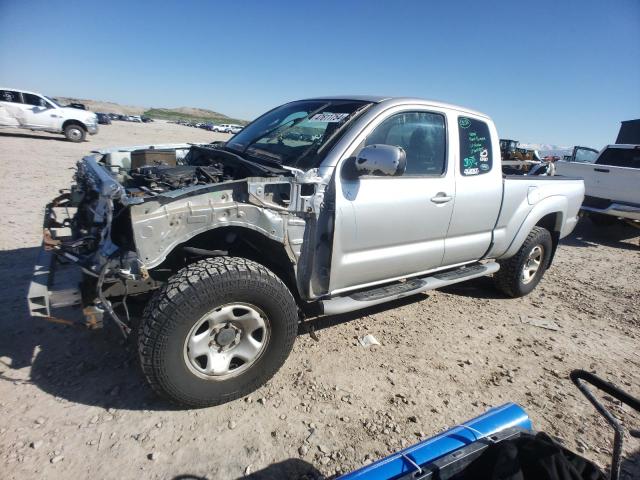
<point>556,204</point>
<point>159,227</point>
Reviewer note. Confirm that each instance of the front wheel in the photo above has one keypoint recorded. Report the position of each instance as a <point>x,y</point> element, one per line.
<point>520,274</point>
<point>75,133</point>
<point>218,330</point>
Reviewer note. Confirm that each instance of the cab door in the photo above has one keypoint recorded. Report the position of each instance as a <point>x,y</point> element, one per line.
<point>389,227</point>
<point>38,112</point>
<point>478,190</point>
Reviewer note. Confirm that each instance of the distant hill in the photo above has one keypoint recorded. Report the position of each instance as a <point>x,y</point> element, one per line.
<point>192,115</point>
<point>104,107</point>
<point>181,113</point>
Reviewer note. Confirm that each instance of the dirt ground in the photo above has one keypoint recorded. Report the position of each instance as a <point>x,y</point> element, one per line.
<point>74,405</point>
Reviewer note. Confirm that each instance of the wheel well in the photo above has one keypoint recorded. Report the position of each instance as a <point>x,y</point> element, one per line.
<point>74,122</point>
<point>552,223</point>
<point>238,242</point>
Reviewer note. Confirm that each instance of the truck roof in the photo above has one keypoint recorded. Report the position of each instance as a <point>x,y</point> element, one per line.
<point>392,101</point>
<point>21,90</point>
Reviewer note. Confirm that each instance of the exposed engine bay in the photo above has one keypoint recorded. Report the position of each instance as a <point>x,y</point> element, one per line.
<point>160,178</point>
<point>154,171</point>
<point>135,214</point>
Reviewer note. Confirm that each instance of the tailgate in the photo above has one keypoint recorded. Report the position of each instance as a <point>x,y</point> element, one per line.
<point>619,184</point>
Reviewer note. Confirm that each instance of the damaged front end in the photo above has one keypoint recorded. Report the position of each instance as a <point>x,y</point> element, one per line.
<point>135,216</point>
<point>78,261</point>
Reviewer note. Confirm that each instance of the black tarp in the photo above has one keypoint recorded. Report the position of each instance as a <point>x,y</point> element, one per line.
<point>530,457</point>
<point>629,132</point>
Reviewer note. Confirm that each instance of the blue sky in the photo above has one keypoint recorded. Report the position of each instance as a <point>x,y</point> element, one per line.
<point>557,72</point>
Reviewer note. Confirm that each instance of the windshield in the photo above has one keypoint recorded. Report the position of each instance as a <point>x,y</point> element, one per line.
<point>297,134</point>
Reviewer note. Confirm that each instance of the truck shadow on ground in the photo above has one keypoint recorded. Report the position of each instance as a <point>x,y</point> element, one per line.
<point>630,467</point>
<point>59,138</point>
<point>297,469</point>
<point>587,234</point>
<point>88,367</point>
<point>289,469</point>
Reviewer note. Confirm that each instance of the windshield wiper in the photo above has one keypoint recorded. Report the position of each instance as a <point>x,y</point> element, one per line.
<point>256,167</point>
<point>266,156</point>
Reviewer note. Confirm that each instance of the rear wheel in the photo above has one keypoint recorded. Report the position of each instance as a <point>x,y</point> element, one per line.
<point>520,274</point>
<point>216,331</point>
<point>75,133</point>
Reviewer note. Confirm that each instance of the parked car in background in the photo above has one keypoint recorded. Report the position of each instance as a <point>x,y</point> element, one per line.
<point>235,129</point>
<point>103,118</point>
<point>33,111</point>
<point>222,128</point>
<point>146,119</point>
<point>611,179</point>
<point>228,244</point>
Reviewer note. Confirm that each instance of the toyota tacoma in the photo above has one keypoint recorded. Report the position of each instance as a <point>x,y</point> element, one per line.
<point>318,207</point>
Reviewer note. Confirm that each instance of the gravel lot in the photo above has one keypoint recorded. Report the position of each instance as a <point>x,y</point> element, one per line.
<point>73,403</point>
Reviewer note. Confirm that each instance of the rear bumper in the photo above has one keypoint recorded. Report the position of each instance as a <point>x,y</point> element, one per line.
<point>630,212</point>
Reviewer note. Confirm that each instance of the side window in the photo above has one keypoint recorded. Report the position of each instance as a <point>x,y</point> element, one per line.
<point>620,157</point>
<point>31,99</point>
<point>423,137</point>
<point>476,155</point>
<point>10,96</point>
<point>584,155</point>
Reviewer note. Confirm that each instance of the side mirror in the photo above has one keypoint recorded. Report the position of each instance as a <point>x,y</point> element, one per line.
<point>381,160</point>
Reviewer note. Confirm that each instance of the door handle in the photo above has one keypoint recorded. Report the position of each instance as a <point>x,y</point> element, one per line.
<point>441,197</point>
<point>603,170</point>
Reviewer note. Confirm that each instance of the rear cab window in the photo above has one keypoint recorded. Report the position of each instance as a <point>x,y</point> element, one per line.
<point>620,157</point>
<point>10,96</point>
<point>476,151</point>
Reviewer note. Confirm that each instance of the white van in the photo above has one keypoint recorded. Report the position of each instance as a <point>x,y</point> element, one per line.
<point>33,111</point>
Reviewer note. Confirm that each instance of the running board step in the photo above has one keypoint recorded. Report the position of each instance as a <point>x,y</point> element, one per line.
<point>387,293</point>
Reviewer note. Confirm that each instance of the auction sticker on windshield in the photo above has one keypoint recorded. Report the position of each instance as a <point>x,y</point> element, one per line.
<point>328,117</point>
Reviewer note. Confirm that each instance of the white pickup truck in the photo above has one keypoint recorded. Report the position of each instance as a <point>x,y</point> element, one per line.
<point>32,111</point>
<point>227,128</point>
<point>227,246</point>
<point>611,178</point>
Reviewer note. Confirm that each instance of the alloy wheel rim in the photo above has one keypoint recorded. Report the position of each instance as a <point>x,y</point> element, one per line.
<point>532,264</point>
<point>75,133</point>
<point>227,341</point>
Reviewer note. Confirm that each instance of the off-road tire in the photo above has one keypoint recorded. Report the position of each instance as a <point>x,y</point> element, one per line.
<point>75,133</point>
<point>509,278</point>
<point>184,299</point>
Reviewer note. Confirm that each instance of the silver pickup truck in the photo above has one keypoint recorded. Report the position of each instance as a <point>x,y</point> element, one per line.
<point>318,207</point>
